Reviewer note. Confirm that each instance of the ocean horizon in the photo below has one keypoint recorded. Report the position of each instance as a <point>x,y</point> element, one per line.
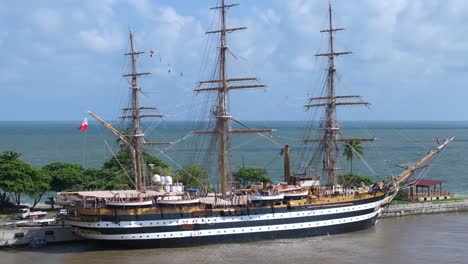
<point>43,142</point>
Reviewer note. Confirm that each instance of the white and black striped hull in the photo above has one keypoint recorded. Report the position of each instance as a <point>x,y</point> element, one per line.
<point>201,230</point>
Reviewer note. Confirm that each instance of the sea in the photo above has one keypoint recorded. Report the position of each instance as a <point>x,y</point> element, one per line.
<point>41,143</point>
<point>412,239</point>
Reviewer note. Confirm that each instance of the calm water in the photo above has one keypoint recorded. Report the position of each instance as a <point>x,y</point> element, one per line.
<point>398,142</point>
<point>418,240</point>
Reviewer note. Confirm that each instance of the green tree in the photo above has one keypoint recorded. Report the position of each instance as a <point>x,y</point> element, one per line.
<point>17,178</point>
<point>192,177</point>
<point>351,148</point>
<point>123,160</point>
<point>249,175</point>
<point>41,185</point>
<point>104,179</point>
<point>7,156</point>
<point>4,200</point>
<point>65,176</point>
<point>354,180</point>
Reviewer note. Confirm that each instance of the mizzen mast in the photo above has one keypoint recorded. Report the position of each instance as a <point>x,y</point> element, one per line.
<point>223,85</point>
<point>330,126</point>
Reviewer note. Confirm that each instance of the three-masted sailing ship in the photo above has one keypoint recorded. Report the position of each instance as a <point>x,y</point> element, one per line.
<point>298,207</point>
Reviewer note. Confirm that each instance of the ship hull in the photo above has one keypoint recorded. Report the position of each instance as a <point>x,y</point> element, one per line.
<point>239,238</point>
<point>305,222</point>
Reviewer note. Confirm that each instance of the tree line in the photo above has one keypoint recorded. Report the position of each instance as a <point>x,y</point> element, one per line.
<point>18,178</point>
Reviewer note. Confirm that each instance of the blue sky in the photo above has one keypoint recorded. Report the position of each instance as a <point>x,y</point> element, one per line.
<point>62,58</point>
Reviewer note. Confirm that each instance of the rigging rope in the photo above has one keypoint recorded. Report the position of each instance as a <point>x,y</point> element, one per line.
<point>180,167</point>
<point>179,140</point>
<point>113,154</point>
<point>258,133</point>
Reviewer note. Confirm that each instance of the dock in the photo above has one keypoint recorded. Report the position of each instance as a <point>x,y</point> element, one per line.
<point>35,236</point>
<point>398,210</point>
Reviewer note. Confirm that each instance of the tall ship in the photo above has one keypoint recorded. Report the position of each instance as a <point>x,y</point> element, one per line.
<point>310,203</point>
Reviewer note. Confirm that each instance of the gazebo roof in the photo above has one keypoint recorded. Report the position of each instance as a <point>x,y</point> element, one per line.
<point>424,182</point>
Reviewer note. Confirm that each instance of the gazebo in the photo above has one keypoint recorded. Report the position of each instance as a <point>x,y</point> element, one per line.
<point>426,190</point>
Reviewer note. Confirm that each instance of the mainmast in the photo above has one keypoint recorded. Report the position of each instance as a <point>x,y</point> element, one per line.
<point>330,126</point>
<point>223,129</point>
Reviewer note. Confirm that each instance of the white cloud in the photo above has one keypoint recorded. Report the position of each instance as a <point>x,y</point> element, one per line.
<point>102,41</point>
<point>304,62</point>
<point>48,20</point>
<point>304,16</point>
<point>269,17</point>
<point>457,8</point>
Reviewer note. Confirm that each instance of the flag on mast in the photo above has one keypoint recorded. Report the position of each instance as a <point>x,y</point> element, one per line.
<point>84,125</point>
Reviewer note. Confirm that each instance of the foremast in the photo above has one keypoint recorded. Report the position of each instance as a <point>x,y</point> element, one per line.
<point>222,86</point>
<point>135,138</point>
<point>330,126</point>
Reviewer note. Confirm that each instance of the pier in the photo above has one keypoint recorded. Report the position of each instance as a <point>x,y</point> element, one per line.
<point>397,210</point>
<point>36,236</point>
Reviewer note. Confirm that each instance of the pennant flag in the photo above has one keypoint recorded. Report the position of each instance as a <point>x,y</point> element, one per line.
<point>151,53</point>
<point>84,125</point>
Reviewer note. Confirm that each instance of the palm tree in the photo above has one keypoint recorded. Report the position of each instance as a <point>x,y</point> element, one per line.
<point>351,148</point>
<point>8,156</point>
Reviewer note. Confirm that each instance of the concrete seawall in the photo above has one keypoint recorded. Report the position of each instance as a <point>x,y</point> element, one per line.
<point>35,236</point>
<point>425,208</point>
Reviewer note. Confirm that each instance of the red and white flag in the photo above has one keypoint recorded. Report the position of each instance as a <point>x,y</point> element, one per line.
<point>84,125</point>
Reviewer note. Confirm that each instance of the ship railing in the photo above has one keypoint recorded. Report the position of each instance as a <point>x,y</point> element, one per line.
<point>326,192</point>
<point>430,194</point>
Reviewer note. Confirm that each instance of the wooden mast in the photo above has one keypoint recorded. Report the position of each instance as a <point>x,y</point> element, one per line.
<point>223,124</point>
<point>223,119</point>
<point>135,140</point>
<point>137,137</point>
<point>330,126</point>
